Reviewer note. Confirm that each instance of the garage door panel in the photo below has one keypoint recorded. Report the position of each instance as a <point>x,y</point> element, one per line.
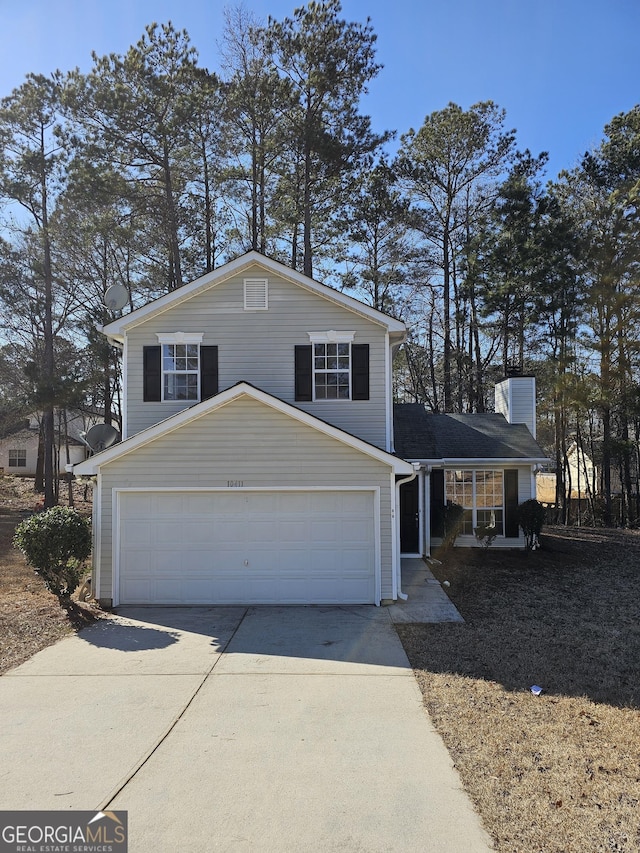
<point>247,547</point>
<point>292,531</point>
<point>135,533</point>
<point>229,531</point>
<point>138,590</point>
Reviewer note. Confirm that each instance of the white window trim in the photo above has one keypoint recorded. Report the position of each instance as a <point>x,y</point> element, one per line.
<point>330,337</point>
<point>250,288</point>
<point>474,508</point>
<point>168,338</point>
<point>180,337</point>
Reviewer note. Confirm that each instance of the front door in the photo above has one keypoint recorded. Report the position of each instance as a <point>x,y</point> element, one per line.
<point>409,518</point>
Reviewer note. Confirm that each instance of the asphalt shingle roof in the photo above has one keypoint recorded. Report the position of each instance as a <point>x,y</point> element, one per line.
<point>420,434</point>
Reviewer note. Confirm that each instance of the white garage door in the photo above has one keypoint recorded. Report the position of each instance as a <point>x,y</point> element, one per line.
<point>289,547</point>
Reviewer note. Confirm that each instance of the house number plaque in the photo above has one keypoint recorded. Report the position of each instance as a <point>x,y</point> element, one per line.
<point>235,484</point>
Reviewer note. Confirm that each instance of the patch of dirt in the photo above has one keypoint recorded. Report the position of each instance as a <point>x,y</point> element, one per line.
<point>559,772</point>
<point>31,618</point>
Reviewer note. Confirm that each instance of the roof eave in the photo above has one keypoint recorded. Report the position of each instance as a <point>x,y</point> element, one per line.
<point>481,460</point>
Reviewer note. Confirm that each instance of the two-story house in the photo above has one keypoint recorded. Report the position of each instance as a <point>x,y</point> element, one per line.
<point>257,463</point>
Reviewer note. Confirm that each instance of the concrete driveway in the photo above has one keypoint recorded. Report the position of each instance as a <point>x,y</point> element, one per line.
<point>234,729</point>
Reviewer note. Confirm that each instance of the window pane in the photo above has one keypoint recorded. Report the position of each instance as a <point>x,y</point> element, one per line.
<point>491,517</point>
<point>343,349</point>
<point>192,351</point>
<point>467,523</point>
<point>168,362</point>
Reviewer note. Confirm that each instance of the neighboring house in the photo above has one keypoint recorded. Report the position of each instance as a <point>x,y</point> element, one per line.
<point>19,449</point>
<point>258,462</point>
<point>581,478</point>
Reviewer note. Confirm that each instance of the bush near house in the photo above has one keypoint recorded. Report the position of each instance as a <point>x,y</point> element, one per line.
<point>531,518</point>
<point>453,515</point>
<point>56,543</point>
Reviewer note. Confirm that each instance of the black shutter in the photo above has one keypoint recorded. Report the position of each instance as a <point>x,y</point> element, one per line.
<point>208,372</point>
<point>304,374</point>
<point>359,371</point>
<point>152,374</point>
<point>511,526</point>
<point>437,502</point>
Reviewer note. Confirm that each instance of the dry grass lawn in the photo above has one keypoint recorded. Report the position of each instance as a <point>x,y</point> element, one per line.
<point>557,773</point>
<point>31,618</point>
<point>560,772</point>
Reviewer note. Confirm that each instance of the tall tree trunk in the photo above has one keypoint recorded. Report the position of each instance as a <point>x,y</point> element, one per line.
<point>208,213</point>
<point>175,275</point>
<point>49,357</point>
<point>262,246</point>
<point>446,309</point>
<point>308,261</point>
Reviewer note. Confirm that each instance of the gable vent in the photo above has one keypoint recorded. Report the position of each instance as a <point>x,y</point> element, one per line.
<point>256,294</point>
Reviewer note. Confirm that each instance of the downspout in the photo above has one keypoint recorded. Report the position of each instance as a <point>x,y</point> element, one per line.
<point>416,469</point>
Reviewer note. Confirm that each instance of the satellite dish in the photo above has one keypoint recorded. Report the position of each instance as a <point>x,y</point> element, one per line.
<point>116,297</point>
<point>101,436</point>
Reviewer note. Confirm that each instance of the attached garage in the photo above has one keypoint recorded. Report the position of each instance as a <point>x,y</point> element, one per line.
<point>237,546</point>
<point>244,499</point>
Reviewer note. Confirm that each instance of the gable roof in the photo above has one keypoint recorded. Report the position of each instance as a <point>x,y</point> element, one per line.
<point>242,389</point>
<point>428,436</point>
<point>118,328</point>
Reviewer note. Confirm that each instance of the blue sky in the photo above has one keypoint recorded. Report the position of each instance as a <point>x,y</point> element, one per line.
<point>561,68</point>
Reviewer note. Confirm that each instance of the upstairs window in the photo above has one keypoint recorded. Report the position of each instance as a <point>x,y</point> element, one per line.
<point>331,367</point>
<point>18,458</point>
<point>180,371</point>
<point>180,368</point>
<point>332,371</point>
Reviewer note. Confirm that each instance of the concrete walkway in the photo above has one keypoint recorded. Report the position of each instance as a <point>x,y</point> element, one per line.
<point>233,729</point>
<point>427,601</point>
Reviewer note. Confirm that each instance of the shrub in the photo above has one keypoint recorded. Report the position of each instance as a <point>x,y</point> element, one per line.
<point>531,516</point>
<point>56,543</point>
<point>453,515</point>
<point>486,534</point>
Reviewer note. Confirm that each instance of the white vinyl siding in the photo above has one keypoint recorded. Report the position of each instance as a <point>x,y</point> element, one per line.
<point>249,443</point>
<point>516,399</point>
<point>258,347</point>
